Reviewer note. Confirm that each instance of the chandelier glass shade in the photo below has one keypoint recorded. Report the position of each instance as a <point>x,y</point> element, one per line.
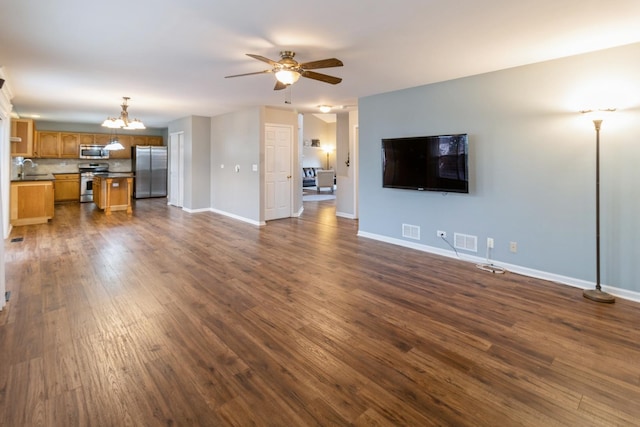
<point>123,121</point>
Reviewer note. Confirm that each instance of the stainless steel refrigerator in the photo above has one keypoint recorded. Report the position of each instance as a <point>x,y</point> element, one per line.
<point>150,167</point>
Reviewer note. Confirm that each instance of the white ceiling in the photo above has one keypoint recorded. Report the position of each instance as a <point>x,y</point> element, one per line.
<point>73,60</point>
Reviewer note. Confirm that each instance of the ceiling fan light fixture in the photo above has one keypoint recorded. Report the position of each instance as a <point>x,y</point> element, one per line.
<point>287,77</point>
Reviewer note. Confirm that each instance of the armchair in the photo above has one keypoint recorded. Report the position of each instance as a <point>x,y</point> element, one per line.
<point>325,178</point>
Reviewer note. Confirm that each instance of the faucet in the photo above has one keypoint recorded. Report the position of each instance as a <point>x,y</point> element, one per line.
<point>21,163</point>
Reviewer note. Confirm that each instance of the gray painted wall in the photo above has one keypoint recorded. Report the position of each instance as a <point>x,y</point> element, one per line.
<point>197,149</point>
<point>236,140</point>
<point>532,164</point>
<point>316,128</point>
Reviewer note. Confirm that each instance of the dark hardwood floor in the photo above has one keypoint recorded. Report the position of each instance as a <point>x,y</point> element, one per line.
<point>166,318</point>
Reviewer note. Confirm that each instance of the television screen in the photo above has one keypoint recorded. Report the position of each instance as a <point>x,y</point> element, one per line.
<point>426,163</point>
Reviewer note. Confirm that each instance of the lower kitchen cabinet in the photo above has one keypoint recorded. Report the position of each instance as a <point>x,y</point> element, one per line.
<point>67,187</point>
<point>31,202</point>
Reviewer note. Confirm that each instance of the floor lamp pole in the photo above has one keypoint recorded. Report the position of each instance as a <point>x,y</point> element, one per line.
<point>597,294</point>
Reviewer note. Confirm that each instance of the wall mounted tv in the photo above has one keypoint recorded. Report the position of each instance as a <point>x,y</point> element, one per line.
<point>426,163</point>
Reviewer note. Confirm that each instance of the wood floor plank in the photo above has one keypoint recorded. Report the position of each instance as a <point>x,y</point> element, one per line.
<point>166,317</point>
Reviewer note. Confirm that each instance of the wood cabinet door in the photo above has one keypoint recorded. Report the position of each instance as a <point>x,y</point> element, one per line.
<point>101,138</point>
<point>138,140</point>
<point>154,140</point>
<point>69,145</point>
<point>67,187</point>
<point>48,144</point>
<point>23,129</point>
<point>86,138</point>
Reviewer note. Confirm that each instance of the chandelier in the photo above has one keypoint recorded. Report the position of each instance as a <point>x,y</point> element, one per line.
<point>123,121</point>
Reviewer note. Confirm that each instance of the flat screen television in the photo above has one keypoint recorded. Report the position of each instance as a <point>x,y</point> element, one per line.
<point>426,163</point>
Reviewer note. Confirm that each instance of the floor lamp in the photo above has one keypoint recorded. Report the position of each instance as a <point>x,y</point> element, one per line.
<point>597,294</point>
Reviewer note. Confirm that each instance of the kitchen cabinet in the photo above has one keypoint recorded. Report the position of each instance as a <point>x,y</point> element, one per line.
<point>47,144</point>
<point>86,139</point>
<point>126,141</point>
<point>112,192</point>
<point>69,145</point>
<point>154,140</point>
<point>60,145</point>
<point>67,187</point>
<point>31,202</point>
<point>23,129</point>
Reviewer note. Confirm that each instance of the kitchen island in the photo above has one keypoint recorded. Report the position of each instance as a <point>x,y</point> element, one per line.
<point>112,191</point>
<point>31,199</point>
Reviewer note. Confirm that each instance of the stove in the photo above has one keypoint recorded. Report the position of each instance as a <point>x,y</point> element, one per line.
<point>87,171</point>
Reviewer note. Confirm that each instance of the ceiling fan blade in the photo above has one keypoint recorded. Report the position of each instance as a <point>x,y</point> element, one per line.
<point>263,59</point>
<point>323,63</point>
<point>280,85</point>
<point>321,77</point>
<point>249,74</point>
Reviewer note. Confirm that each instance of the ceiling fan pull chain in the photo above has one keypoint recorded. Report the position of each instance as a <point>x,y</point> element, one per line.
<point>287,95</point>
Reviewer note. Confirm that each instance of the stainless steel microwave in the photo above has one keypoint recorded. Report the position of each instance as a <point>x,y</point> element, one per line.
<point>93,152</point>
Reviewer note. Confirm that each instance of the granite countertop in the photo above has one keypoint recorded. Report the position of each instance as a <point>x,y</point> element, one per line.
<point>35,177</point>
<point>114,174</point>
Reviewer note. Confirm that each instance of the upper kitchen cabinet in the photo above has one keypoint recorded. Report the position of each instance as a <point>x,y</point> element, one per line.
<point>126,141</point>
<point>57,145</point>
<point>146,140</point>
<point>154,140</point>
<point>47,144</point>
<point>69,145</point>
<point>101,138</point>
<point>22,135</point>
<point>86,139</point>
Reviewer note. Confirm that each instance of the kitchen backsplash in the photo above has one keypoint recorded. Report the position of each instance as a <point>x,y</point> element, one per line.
<point>68,165</point>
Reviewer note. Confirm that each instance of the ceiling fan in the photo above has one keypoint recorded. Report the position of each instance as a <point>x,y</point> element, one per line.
<point>287,70</point>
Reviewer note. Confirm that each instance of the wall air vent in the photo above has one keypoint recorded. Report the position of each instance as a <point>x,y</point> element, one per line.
<point>411,231</point>
<point>465,242</point>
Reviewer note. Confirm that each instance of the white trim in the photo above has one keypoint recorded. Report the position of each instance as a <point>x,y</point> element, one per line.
<point>239,218</point>
<point>525,271</point>
<point>346,215</point>
<point>194,210</point>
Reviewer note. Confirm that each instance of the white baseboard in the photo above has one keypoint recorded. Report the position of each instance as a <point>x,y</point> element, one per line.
<point>239,218</point>
<point>346,215</point>
<point>525,271</point>
<point>195,210</point>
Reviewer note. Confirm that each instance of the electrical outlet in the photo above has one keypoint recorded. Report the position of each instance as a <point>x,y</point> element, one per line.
<point>441,233</point>
<point>490,242</point>
<point>513,247</point>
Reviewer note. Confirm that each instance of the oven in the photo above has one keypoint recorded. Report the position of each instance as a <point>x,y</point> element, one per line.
<point>87,172</point>
<point>93,152</point>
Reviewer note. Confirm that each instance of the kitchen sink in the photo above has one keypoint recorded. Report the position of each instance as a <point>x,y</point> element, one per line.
<point>36,174</point>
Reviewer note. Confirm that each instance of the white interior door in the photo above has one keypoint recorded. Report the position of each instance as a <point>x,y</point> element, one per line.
<point>278,178</point>
<point>176,169</point>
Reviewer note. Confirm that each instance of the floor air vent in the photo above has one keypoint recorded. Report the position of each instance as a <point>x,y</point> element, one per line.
<point>411,231</point>
<point>466,242</point>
